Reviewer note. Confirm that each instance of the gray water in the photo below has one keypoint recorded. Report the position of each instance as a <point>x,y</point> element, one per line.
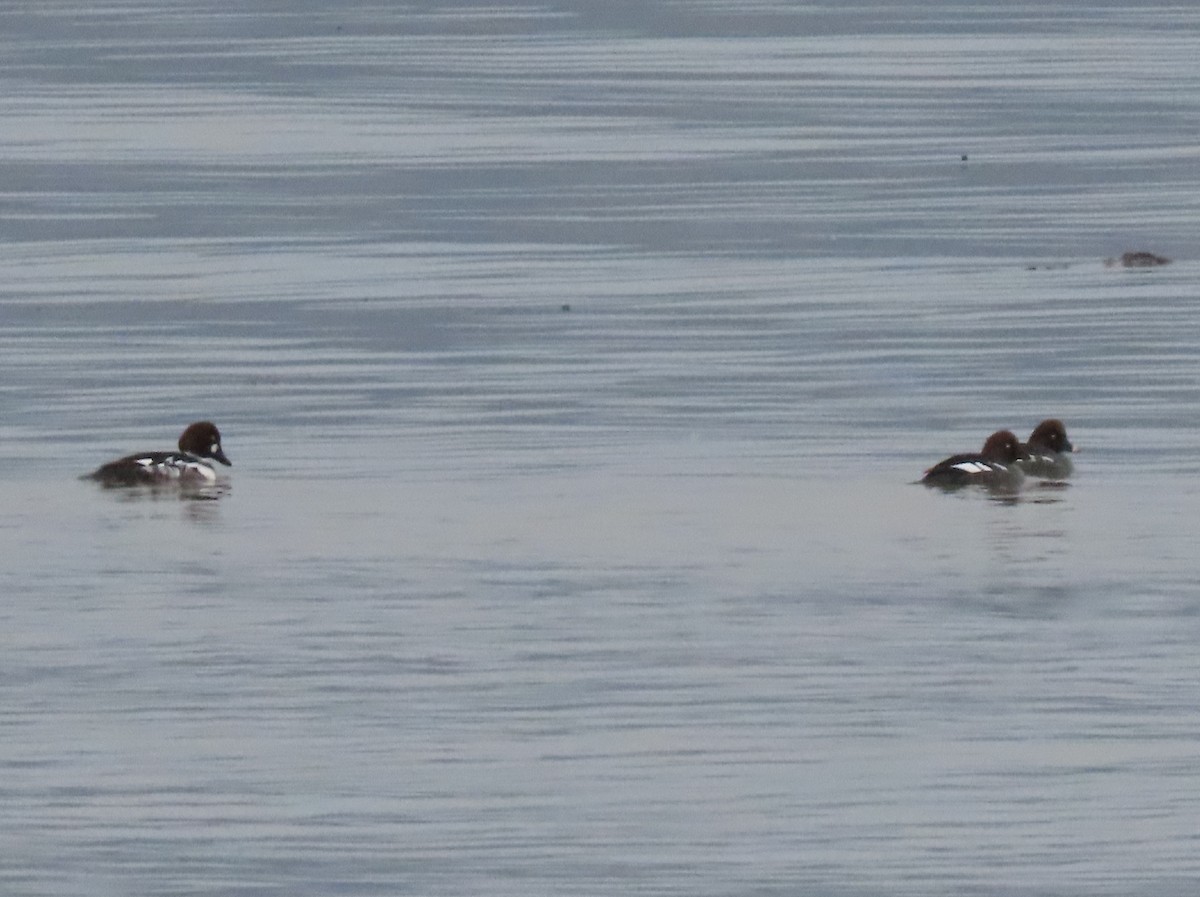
<point>576,362</point>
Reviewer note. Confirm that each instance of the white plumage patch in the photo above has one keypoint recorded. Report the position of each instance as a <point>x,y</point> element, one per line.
<point>972,467</point>
<point>203,471</point>
<point>176,467</point>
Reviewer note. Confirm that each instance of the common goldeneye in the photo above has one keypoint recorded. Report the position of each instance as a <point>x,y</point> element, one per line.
<point>1047,453</point>
<point>994,467</point>
<point>199,446</point>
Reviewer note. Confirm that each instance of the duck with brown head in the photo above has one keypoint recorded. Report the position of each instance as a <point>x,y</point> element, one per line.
<point>1047,454</point>
<point>199,447</point>
<point>994,467</point>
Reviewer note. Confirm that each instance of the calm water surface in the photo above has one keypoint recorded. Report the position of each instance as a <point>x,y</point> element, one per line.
<point>576,365</point>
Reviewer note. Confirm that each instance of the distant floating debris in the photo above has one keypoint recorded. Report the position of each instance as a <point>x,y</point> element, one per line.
<point>1125,260</point>
<point>964,157</point>
<point>1137,260</point>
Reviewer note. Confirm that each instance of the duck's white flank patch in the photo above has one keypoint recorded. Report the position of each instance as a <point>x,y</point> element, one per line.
<point>204,472</point>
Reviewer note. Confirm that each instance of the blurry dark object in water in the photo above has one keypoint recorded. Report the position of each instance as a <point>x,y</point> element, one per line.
<point>1137,260</point>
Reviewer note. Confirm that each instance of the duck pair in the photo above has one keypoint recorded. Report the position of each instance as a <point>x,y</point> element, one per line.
<point>1005,461</point>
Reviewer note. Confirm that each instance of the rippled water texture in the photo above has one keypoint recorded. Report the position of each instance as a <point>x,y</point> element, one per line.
<point>577,363</point>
